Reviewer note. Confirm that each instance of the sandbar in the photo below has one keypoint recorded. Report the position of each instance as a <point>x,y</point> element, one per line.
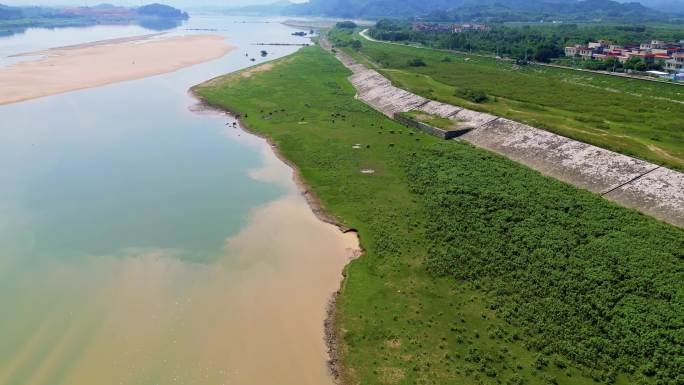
<point>64,69</point>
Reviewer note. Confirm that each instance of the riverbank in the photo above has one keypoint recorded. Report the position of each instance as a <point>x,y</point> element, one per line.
<point>95,64</point>
<point>415,308</point>
<point>354,249</point>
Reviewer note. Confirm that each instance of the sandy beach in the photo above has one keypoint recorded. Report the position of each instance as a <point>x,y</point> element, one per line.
<point>105,62</point>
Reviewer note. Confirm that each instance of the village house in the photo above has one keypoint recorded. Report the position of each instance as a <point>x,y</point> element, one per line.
<point>432,27</point>
<point>453,28</point>
<point>654,44</point>
<point>458,28</point>
<point>671,54</point>
<point>676,63</point>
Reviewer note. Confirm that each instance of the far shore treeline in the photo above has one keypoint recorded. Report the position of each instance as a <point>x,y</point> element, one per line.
<point>480,11</point>
<point>152,16</point>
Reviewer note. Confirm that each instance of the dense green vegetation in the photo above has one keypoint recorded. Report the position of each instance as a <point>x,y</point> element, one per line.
<point>630,116</point>
<point>535,42</point>
<point>580,283</point>
<point>476,270</point>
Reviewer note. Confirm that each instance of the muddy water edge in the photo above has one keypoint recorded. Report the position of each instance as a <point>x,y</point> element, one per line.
<point>353,247</point>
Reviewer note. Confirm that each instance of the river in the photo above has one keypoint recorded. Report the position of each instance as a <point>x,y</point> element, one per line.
<point>144,243</point>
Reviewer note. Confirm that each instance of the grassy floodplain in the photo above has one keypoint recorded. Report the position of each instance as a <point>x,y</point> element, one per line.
<point>633,117</point>
<point>476,270</point>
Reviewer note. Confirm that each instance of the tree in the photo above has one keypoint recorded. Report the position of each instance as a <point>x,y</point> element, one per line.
<point>632,62</point>
<point>545,52</point>
<point>356,45</point>
<point>416,63</point>
<point>613,64</point>
<point>641,66</point>
<point>347,25</point>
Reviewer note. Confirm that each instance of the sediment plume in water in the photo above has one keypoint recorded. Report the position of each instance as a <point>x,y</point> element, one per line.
<point>253,315</point>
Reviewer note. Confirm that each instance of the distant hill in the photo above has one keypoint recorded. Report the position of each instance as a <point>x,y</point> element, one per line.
<point>371,8</point>
<point>101,12</point>
<point>7,13</point>
<point>493,10</point>
<point>277,8</point>
<point>161,10</point>
<point>547,10</point>
<point>673,6</point>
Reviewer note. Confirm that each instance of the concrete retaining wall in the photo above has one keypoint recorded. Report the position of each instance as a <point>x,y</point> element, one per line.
<point>435,131</point>
<point>378,92</point>
<point>581,164</point>
<point>439,109</point>
<point>659,193</point>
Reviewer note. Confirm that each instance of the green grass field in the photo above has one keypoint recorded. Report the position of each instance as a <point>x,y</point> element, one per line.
<point>634,117</point>
<point>603,283</point>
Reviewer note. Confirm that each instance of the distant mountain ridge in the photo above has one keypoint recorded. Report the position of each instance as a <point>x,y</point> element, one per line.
<point>547,10</point>
<point>501,10</point>
<point>7,12</point>
<point>676,6</point>
<point>101,11</point>
<point>277,8</point>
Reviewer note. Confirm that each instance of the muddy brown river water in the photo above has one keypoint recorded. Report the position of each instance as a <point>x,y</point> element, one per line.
<point>143,243</point>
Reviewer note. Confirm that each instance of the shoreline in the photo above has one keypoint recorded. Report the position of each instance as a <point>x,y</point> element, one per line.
<point>96,43</point>
<point>331,336</point>
<point>100,63</point>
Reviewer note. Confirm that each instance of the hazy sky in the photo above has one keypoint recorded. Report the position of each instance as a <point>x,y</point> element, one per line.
<point>180,3</point>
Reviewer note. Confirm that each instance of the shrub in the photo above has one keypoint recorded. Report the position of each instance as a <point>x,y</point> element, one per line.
<point>356,45</point>
<point>515,379</point>
<point>475,96</point>
<point>416,63</point>
<point>540,362</point>
<point>560,363</point>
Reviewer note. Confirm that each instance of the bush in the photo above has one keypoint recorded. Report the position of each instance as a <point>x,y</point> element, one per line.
<point>560,363</point>
<point>540,362</point>
<point>347,25</point>
<point>416,63</point>
<point>356,45</point>
<point>515,379</point>
<point>475,96</point>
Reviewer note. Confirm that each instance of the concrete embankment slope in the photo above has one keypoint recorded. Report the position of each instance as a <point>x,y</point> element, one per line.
<point>649,188</point>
